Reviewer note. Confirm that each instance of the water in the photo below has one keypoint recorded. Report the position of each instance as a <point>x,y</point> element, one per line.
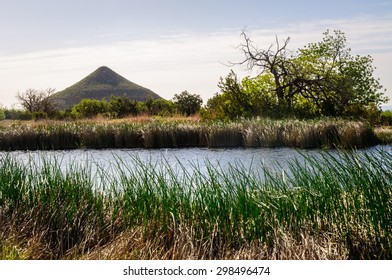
<point>180,160</point>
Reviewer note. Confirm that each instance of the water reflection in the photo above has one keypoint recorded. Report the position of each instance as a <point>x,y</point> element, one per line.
<point>180,160</point>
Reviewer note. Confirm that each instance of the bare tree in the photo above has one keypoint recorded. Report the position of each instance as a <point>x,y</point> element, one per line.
<point>289,72</point>
<point>37,100</point>
<point>275,60</point>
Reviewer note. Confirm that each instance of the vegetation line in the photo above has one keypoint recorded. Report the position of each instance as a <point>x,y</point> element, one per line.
<point>178,133</point>
<point>329,207</point>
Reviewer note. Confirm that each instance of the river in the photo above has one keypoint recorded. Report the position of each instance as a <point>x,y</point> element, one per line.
<point>178,159</point>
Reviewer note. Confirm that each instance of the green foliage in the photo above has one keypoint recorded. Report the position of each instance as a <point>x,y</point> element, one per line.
<point>336,79</point>
<point>120,106</point>
<point>161,107</point>
<point>321,79</point>
<point>187,104</point>
<point>14,114</point>
<point>40,115</point>
<point>214,109</point>
<point>246,98</point>
<point>10,251</point>
<point>88,108</point>
<point>2,114</point>
<point>237,102</point>
<point>386,118</point>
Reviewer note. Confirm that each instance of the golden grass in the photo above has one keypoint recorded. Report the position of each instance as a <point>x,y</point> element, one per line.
<point>384,134</point>
<point>176,132</point>
<point>135,244</point>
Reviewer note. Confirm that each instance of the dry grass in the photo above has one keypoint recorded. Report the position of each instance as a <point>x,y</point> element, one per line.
<point>135,245</point>
<point>175,132</point>
<point>384,134</point>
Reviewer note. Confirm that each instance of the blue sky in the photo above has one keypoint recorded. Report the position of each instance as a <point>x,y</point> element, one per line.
<point>170,46</point>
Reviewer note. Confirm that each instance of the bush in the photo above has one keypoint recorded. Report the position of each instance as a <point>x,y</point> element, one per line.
<point>2,115</point>
<point>386,118</point>
<point>88,108</point>
<point>120,106</point>
<point>40,115</point>
<point>187,104</point>
<point>161,107</point>
<point>14,114</point>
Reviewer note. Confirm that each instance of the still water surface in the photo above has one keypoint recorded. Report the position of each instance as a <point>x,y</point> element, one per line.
<point>177,159</point>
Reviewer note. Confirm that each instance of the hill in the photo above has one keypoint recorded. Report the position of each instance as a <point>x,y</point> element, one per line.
<point>101,84</point>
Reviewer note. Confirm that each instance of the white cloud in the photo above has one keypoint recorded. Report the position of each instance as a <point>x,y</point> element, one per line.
<point>186,61</point>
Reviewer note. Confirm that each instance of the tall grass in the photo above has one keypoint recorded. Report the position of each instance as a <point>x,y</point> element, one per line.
<point>169,133</point>
<point>323,207</point>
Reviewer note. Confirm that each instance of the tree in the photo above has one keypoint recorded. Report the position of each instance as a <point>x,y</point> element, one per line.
<point>334,79</point>
<point>121,106</point>
<point>160,107</point>
<point>88,108</point>
<point>246,98</point>
<point>188,104</point>
<point>215,108</point>
<point>275,61</point>
<point>2,114</point>
<point>36,101</point>
<point>322,77</point>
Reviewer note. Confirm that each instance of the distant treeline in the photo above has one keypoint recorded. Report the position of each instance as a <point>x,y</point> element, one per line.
<point>37,105</point>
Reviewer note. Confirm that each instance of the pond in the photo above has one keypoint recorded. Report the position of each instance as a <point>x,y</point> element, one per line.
<point>178,159</point>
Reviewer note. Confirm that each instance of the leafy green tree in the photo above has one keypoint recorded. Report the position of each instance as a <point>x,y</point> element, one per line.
<point>2,114</point>
<point>335,80</point>
<point>161,107</point>
<point>261,93</point>
<point>188,104</point>
<point>322,78</point>
<point>88,108</point>
<point>14,114</point>
<point>120,106</point>
<point>246,98</point>
<point>237,102</point>
<point>386,118</point>
<point>141,108</point>
<point>215,108</point>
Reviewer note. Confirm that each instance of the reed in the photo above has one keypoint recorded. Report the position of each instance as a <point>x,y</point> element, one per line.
<point>384,134</point>
<point>172,133</point>
<point>323,207</point>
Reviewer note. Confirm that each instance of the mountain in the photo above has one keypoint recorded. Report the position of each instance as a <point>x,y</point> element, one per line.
<point>101,84</point>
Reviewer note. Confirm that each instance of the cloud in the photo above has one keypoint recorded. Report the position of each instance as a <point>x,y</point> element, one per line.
<point>186,60</point>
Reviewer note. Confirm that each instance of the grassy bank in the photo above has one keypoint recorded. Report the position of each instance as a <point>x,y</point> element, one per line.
<point>384,135</point>
<point>177,133</point>
<point>326,209</point>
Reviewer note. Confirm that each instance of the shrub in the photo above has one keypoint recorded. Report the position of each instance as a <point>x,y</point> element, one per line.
<point>88,108</point>
<point>386,118</point>
<point>2,115</point>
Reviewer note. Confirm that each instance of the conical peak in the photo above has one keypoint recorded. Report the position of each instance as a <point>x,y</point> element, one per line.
<point>102,84</point>
<point>104,69</point>
<point>105,75</point>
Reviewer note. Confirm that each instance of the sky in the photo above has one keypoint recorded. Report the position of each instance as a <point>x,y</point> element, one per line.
<point>171,46</point>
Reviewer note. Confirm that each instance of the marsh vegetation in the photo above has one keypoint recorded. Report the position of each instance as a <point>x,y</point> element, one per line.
<point>184,132</point>
<point>324,207</point>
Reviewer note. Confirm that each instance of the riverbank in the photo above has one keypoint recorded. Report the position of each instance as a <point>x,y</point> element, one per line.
<point>384,135</point>
<point>184,132</point>
<point>325,208</point>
